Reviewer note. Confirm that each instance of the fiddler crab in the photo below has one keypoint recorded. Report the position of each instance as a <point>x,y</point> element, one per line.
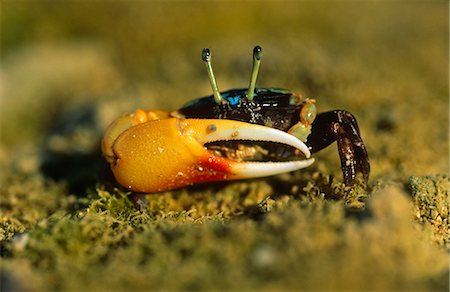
<point>236,134</point>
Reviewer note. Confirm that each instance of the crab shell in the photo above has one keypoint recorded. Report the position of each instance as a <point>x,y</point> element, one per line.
<point>154,151</point>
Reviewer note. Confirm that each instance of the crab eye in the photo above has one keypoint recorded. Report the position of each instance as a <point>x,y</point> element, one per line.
<point>308,112</point>
<point>206,55</point>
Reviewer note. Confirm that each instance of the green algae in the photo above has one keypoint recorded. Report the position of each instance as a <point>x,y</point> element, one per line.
<point>26,201</point>
<point>311,243</point>
<point>431,197</point>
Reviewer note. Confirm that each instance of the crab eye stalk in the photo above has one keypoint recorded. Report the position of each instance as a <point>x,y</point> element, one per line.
<point>206,57</point>
<point>257,55</point>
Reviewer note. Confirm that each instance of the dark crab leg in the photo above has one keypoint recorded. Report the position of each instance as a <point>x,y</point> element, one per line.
<point>341,126</point>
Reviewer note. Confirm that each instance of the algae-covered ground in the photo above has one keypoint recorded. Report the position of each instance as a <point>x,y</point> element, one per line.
<point>69,68</point>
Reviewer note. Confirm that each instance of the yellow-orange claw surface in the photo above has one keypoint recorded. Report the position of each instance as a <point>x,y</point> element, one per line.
<point>163,155</point>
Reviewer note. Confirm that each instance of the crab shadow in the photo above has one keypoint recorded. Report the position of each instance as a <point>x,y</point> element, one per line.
<point>70,152</point>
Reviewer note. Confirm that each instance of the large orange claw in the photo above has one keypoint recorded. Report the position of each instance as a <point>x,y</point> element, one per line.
<point>169,153</point>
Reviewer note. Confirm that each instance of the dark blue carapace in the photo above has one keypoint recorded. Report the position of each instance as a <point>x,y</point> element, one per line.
<point>274,107</point>
<point>235,96</point>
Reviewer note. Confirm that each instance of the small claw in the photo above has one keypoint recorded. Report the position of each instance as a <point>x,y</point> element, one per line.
<point>170,153</point>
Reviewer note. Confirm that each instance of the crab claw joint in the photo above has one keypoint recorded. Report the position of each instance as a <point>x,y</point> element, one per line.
<point>170,153</point>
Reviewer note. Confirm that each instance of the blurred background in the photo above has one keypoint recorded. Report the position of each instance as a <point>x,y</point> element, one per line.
<point>69,68</point>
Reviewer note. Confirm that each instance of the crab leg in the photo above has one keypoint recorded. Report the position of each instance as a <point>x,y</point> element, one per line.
<point>170,153</point>
<point>341,126</point>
